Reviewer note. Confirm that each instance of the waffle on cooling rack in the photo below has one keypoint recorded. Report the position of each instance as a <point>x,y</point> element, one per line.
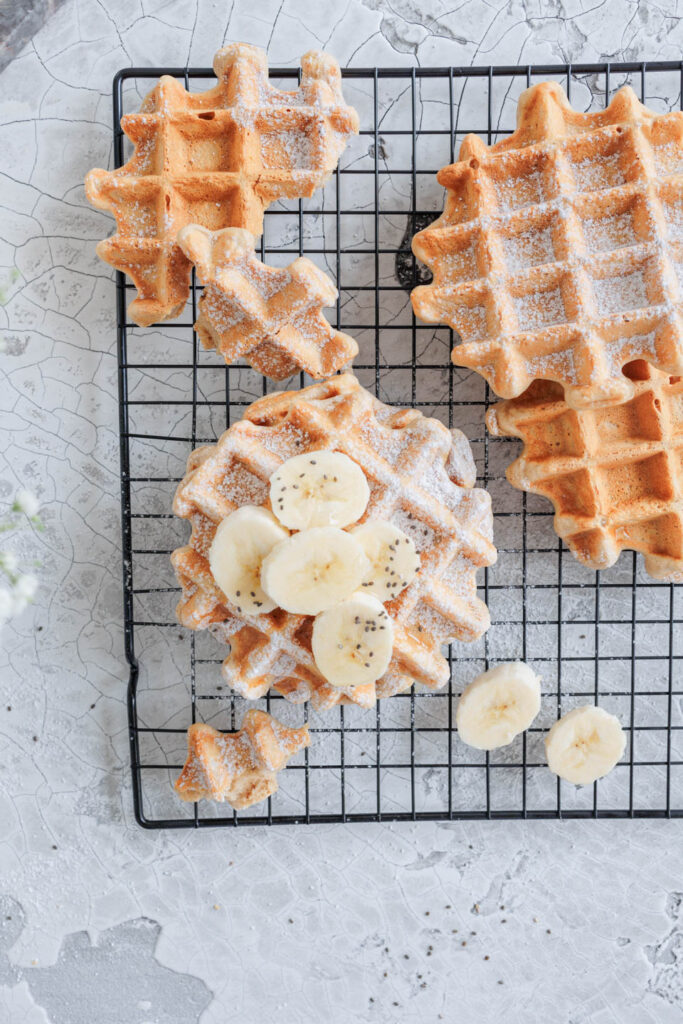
<point>559,254</point>
<point>271,316</point>
<point>614,474</point>
<point>421,478</point>
<point>240,767</point>
<point>215,158</point>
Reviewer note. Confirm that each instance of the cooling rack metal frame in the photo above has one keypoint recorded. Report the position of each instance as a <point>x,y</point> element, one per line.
<point>452,784</point>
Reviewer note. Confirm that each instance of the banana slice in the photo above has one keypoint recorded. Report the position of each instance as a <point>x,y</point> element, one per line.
<point>585,744</point>
<point>352,641</point>
<point>393,558</point>
<point>314,569</point>
<point>240,544</point>
<point>498,705</point>
<point>318,489</point>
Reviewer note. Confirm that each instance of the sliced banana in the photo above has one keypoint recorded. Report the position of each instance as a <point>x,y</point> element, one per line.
<point>318,489</point>
<point>240,544</point>
<point>498,705</point>
<point>393,558</point>
<point>585,744</point>
<point>352,641</point>
<point>314,569</point>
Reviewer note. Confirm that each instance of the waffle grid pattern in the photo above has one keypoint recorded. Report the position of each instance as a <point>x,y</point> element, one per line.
<point>271,316</point>
<point>419,477</point>
<point>614,474</point>
<point>541,249</point>
<point>611,637</point>
<point>272,144</point>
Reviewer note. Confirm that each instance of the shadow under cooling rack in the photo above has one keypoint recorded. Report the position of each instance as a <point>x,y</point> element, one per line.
<point>613,637</point>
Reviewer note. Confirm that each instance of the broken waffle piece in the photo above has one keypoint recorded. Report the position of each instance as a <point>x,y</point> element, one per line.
<point>559,254</point>
<point>419,479</point>
<point>240,767</point>
<point>270,316</point>
<point>614,474</point>
<point>218,159</point>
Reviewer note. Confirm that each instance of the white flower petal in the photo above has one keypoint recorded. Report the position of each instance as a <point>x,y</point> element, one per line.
<point>6,605</point>
<point>26,587</point>
<point>25,501</point>
<point>9,561</point>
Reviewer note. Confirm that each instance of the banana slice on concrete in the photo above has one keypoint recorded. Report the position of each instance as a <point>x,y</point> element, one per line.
<point>352,641</point>
<point>585,744</point>
<point>320,488</point>
<point>240,544</point>
<point>393,558</point>
<point>498,705</point>
<point>314,569</point>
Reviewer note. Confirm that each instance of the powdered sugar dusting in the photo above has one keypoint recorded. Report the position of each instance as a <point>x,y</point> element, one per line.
<point>528,249</point>
<point>621,294</point>
<point>539,309</point>
<point>404,457</point>
<point>603,234</point>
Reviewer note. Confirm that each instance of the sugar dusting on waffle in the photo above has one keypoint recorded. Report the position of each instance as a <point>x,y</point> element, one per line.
<point>558,253</point>
<point>421,479</point>
<point>218,159</point>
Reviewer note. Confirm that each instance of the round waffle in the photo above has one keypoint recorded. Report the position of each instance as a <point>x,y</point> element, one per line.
<point>559,255</point>
<point>421,478</point>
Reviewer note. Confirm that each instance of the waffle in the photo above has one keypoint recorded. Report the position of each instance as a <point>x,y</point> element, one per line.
<point>239,767</point>
<point>614,474</point>
<point>215,158</point>
<point>271,316</point>
<point>559,254</point>
<point>421,477</point>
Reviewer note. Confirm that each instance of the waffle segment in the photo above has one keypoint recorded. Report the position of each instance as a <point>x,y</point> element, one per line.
<point>218,159</point>
<point>240,767</point>
<point>559,252</point>
<point>614,474</point>
<point>421,477</point>
<point>271,316</point>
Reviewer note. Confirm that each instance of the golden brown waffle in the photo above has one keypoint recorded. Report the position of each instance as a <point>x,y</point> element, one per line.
<point>215,158</point>
<point>421,477</point>
<point>559,254</point>
<point>239,767</point>
<point>614,474</point>
<point>270,316</point>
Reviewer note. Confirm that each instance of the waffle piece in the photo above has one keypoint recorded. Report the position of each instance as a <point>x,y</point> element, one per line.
<point>614,474</point>
<point>271,316</point>
<point>238,767</point>
<point>421,477</point>
<point>559,254</point>
<point>215,158</point>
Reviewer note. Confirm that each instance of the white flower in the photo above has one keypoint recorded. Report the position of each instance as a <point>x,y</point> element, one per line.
<point>25,588</point>
<point>6,605</point>
<point>26,502</point>
<point>9,562</point>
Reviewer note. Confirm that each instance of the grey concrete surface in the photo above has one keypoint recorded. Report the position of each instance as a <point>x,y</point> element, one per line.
<point>575,923</point>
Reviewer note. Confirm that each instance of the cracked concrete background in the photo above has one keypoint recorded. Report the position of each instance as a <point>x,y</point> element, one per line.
<point>569,922</point>
<point>19,20</point>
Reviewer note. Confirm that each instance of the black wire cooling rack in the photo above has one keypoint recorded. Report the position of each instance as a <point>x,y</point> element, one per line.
<point>611,637</point>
